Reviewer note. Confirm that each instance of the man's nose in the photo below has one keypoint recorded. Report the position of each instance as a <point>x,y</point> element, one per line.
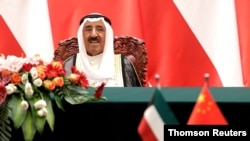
<point>93,33</point>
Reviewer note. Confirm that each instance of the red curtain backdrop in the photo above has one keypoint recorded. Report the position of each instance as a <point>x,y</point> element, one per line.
<point>243,20</point>
<point>175,52</point>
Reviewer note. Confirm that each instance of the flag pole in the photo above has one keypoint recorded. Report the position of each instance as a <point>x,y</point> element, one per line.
<point>157,80</point>
<point>206,76</point>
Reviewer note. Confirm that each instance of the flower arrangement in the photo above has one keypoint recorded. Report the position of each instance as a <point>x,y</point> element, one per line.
<point>27,88</point>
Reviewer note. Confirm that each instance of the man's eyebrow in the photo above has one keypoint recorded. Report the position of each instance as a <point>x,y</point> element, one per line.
<point>99,26</point>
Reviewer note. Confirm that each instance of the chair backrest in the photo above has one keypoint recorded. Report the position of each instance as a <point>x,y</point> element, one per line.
<point>132,47</point>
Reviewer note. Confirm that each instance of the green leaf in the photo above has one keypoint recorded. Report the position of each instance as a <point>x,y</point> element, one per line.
<point>58,100</point>
<point>50,117</point>
<point>5,126</point>
<point>98,99</point>
<point>77,89</point>
<point>39,122</point>
<point>76,99</point>
<point>17,113</point>
<point>28,127</point>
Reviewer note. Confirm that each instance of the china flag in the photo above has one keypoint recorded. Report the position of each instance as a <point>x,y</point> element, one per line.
<point>206,111</point>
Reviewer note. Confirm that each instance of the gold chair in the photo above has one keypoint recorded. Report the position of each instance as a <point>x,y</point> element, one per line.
<point>132,47</point>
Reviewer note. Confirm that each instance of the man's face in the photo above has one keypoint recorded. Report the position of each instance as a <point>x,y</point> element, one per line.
<point>94,37</point>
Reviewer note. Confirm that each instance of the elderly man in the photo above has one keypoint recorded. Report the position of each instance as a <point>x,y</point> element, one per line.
<point>96,57</point>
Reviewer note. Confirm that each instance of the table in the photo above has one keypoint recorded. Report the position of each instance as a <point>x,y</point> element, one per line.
<point>117,118</point>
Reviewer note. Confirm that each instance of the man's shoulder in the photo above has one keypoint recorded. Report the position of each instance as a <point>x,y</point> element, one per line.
<point>123,59</point>
<point>121,56</point>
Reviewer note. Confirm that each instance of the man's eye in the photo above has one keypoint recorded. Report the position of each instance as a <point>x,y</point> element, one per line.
<point>100,29</point>
<point>88,29</point>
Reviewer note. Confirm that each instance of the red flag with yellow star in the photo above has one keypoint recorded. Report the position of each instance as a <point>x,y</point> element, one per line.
<point>206,111</point>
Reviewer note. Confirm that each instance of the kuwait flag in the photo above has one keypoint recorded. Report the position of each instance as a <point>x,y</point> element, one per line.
<point>25,29</point>
<point>158,113</point>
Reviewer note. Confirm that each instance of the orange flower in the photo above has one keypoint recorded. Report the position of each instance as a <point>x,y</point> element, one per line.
<point>58,81</point>
<point>41,74</point>
<point>57,64</point>
<point>50,85</point>
<point>74,78</point>
<point>40,67</point>
<point>15,78</point>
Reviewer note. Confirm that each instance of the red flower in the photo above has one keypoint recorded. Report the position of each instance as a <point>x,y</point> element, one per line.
<point>4,79</point>
<point>5,76</point>
<point>74,70</point>
<point>53,70</point>
<point>82,78</point>
<point>83,81</point>
<point>99,89</point>
<point>3,92</point>
<point>26,67</point>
